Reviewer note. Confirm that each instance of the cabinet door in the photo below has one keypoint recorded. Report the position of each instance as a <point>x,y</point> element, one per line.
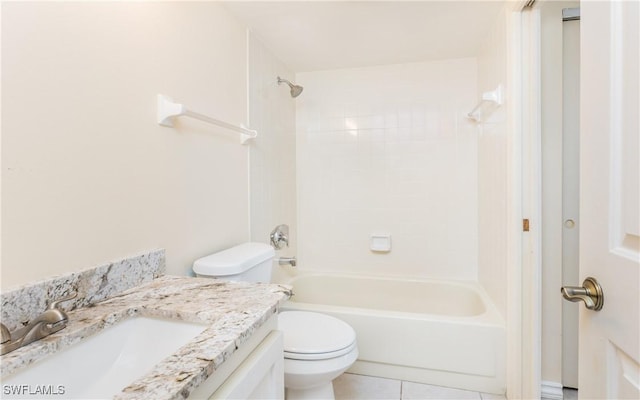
<point>261,374</point>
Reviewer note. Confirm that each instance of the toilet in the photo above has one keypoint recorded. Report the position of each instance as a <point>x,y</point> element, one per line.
<point>317,347</point>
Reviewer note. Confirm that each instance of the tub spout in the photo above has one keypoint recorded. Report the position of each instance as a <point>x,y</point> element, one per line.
<point>288,260</point>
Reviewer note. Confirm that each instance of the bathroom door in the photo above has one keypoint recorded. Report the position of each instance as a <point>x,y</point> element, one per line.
<point>609,349</point>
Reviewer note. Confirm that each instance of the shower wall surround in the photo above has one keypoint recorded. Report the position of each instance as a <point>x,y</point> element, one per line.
<point>389,149</point>
<point>272,112</point>
<point>493,171</point>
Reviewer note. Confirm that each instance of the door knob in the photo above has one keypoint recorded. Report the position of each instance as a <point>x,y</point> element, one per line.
<point>590,292</point>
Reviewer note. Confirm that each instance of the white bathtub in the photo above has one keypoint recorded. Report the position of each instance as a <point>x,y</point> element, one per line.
<point>437,332</point>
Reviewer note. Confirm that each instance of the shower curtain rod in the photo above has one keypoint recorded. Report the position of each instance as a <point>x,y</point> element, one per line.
<point>168,109</point>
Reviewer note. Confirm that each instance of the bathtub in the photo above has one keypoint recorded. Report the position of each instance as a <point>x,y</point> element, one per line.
<point>436,332</point>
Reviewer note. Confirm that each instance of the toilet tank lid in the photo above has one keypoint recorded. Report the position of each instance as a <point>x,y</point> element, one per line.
<point>234,260</point>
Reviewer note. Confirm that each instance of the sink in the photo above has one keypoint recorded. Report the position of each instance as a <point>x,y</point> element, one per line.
<point>102,365</point>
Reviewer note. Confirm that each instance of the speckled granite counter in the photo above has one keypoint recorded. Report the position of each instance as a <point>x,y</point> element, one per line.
<point>232,310</point>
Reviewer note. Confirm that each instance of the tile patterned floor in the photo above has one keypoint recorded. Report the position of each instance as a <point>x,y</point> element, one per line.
<point>360,387</point>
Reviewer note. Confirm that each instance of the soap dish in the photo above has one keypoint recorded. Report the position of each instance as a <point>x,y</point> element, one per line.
<point>380,243</point>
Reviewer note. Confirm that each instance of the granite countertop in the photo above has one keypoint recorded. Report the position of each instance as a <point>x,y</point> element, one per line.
<point>233,311</point>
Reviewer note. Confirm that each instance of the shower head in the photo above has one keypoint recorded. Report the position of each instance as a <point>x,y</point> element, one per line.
<point>295,89</point>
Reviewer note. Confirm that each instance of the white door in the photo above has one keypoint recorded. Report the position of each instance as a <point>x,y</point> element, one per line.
<point>609,349</point>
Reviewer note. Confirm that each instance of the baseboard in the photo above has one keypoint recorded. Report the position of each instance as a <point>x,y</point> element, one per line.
<point>551,390</point>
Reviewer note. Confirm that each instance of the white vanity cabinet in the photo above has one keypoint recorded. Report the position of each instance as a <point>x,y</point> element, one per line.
<point>254,371</point>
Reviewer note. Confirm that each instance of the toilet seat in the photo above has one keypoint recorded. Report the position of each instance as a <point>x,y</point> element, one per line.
<point>319,356</point>
<point>315,336</point>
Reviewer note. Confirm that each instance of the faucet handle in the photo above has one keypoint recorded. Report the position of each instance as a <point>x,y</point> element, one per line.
<point>6,335</point>
<point>280,236</point>
<point>54,304</point>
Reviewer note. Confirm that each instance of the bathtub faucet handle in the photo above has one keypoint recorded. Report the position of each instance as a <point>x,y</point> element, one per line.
<point>280,236</point>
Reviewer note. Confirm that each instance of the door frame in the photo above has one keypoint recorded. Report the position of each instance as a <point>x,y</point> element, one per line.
<point>524,310</point>
<point>555,108</point>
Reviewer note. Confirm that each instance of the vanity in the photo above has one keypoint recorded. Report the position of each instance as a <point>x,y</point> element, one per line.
<point>200,338</point>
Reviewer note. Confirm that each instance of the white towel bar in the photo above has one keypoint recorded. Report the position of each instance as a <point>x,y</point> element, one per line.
<point>168,109</point>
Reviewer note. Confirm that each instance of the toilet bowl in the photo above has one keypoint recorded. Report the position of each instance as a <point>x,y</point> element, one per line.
<point>317,347</point>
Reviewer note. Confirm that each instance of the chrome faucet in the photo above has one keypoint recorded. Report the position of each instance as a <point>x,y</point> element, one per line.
<point>288,260</point>
<point>50,321</point>
<point>280,236</point>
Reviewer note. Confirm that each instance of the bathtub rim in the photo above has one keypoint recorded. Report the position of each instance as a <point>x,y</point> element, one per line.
<point>490,317</point>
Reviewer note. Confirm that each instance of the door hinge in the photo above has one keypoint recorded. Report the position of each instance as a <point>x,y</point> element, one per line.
<point>525,225</point>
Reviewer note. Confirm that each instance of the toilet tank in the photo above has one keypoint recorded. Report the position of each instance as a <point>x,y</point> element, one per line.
<point>248,262</point>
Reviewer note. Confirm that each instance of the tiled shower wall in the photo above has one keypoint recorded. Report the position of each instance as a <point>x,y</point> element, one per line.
<point>493,170</point>
<point>272,154</point>
<point>389,150</point>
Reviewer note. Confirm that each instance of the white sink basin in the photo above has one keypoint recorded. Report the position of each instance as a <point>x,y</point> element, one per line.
<point>102,365</point>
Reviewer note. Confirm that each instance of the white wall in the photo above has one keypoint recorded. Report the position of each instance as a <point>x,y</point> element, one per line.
<point>493,142</point>
<point>389,149</point>
<point>87,174</point>
<point>273,154</point>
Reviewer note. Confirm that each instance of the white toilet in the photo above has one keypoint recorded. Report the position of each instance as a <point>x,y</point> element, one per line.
<point>317,347</point>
